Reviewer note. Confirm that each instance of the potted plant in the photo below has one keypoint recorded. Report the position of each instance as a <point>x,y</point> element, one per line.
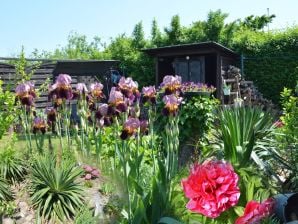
<point>197,89</point>
<point>226,89</point>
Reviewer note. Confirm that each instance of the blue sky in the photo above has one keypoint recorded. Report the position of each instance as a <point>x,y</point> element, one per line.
<point>45,24</point>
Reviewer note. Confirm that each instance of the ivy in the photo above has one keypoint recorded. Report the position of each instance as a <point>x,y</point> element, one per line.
<point>196,117</point>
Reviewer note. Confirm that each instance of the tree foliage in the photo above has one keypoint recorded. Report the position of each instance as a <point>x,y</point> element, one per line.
<point>138,36</point>
<point>156,35</point>
<point>214,25</point>
<point>257,22</point>
<point>174,33</point>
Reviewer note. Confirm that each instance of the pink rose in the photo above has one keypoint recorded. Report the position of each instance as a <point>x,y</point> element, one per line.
<point>211,188</point>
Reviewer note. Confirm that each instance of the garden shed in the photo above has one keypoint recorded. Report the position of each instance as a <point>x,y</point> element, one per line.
<point>198,62</point>
<point>86,71</point>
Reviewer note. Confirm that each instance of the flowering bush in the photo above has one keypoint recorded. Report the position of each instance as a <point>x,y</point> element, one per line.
<point>212,188</point>
<point>197,87</point>
<point>254,212</point>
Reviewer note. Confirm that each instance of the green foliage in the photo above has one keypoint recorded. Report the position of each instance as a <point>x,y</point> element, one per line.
<point>214,25</point>
<point>196,117</point>
<point>287,138</point>
<point>257,22</point>
<point>242,131</point>
<point>290,114</point>
<point>85,216</point>
<point>138,36</point>
<point>7,109</point>
<point>7,208</point>
<point>12,166</point>
<point>174,33</point>
<point>156,35</point>
<point>133,62</point>
<point>5,193</point>
<point>77,47</point>
<point>54,189</point>
<point>21,65</point>
<point>254,185</point>
<point>271,59</point>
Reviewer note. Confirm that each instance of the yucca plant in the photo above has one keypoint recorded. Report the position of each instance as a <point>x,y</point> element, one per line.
<point>242,131</point>
<point>11,165</point>
<point>5,193</point>
<point>54,190</point>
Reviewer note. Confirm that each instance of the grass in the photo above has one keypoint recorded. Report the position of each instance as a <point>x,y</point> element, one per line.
<point>21,144</point>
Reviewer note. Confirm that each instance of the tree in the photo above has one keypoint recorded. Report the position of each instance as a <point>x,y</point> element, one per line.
<point>138,36</point>
<point>77,47</point>
<point>174,33</point>
<point>134,63</point>
<point>214,25</point>
<point>257,22</point>
<point>228,33</point>
<point>156,36</point>
<point>196,32</point>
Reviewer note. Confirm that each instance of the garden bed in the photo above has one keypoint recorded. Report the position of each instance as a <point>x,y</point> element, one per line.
<point>123,166</point>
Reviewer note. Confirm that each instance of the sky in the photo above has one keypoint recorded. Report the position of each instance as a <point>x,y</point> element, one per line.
<point>46,24</point>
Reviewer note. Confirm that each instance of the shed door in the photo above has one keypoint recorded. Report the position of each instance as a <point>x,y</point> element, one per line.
<point>181,69</point>
<point>192,70</point>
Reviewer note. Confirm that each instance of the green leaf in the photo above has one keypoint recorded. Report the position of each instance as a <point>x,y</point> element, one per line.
<point>238,210</point>
<point>168,220</point>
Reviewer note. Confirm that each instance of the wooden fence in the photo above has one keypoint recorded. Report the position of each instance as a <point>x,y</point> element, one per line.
<point>41,74</point>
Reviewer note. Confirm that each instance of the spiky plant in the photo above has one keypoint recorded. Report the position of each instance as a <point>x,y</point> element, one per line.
<point>243,131</point>
<point>54,191</point>
<point>5,193</point>
<point>11,165</point>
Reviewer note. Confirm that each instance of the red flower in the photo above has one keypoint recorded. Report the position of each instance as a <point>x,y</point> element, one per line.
<point>254,212</point>
<point>212,188</point>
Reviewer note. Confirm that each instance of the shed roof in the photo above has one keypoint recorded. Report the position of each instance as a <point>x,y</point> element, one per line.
<point>84,67</point>
<point>202,47</point>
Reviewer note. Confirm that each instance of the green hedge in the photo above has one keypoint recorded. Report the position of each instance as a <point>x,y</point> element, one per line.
<point>272,60</point>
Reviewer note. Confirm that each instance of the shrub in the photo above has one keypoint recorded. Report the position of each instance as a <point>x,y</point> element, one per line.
<point>196,117</point>
<point>54,191</point>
